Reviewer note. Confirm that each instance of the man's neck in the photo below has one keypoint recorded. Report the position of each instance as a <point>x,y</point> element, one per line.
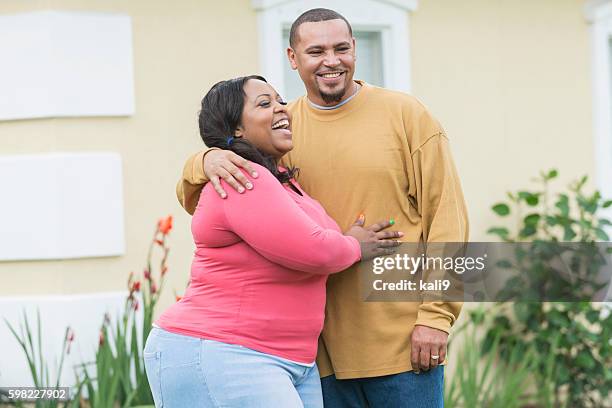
<point>345,98</point>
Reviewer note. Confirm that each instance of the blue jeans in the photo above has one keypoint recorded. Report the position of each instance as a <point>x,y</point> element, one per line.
<point>185,371</point>
<point>424,390</point>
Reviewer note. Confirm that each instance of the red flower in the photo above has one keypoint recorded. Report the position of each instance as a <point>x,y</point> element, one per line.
<point>69,339</point>
<point>70,335</point>
<point>136,286</point>
<point>165,225</point>
<point>147,274</point>
<point>153,287</point>
<point>101,340</point>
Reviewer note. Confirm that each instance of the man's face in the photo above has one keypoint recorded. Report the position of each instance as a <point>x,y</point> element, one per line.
<point>324,56</point>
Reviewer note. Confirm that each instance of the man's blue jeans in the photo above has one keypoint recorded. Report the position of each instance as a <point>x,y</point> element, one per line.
<point>403,390</point>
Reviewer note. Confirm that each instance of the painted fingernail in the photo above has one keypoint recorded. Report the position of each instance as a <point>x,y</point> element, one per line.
<point>391,221</point>
<point>400,234</point>
<point>361,217</point>
<point>249,186</point>
<point>241,190</point>
<point>223,195</point>
<point>255,174</point>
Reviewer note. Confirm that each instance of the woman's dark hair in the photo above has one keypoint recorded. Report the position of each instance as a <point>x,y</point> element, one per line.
<point>220,117</point>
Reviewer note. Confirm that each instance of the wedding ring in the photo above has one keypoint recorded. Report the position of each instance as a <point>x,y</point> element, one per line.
<point>435,357</point>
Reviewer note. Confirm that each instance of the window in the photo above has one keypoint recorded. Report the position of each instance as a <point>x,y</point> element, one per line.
<point>380,28</point>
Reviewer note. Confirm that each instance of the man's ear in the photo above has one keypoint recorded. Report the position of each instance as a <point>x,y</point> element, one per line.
<point>291,57</point>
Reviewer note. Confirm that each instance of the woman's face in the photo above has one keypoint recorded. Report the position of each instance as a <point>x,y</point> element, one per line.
<point>265,120</point>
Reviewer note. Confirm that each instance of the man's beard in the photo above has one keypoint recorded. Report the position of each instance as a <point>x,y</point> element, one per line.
<point>333,97</point>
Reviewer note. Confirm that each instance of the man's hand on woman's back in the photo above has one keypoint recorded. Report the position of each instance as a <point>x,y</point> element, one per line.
<point>225,164</point>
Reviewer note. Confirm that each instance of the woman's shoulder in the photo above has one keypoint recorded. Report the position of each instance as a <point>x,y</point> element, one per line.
<point>264,182</point>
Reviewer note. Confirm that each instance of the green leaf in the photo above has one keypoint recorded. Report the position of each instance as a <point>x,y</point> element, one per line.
<point>585,360</point>
<point>551,221</point>
<point>589,206</point>
<point>607,204</point>
<point>501,209</point>
<point>563,205</point>
<point>601,235</point>
<point>532,219</point>
<point>530,198</point>
<point>563,375</point>
<point>558,318</point>
<point>477,316</point>
<point>552,174</point>
<point>499,231</point>
<point>592,316</point>
<point>568,233</point>
<point>504,263</point>
<point>528,231</point>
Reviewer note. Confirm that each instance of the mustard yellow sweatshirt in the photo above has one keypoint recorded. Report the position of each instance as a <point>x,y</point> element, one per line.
<point>383,154</point>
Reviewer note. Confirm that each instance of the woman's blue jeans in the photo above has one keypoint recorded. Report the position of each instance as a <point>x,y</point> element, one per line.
<point>185,371</point>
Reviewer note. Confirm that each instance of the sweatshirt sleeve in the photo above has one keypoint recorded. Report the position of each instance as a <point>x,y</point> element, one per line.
<point>439,199</point>
<point>273,224</point>
<point>192,181</point>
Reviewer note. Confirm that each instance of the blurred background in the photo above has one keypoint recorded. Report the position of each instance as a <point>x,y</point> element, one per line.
<point>98,112</point>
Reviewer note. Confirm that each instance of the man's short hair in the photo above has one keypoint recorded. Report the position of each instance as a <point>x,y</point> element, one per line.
<point>314,16</point>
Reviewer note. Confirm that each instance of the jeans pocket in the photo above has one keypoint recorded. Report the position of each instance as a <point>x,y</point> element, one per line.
<point>152,361</point>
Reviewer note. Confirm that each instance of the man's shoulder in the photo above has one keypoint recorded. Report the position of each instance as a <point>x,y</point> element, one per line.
<point>391,96</point>
<point>411,110</point>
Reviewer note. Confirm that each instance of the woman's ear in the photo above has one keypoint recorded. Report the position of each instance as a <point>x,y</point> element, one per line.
<point>239,132</point>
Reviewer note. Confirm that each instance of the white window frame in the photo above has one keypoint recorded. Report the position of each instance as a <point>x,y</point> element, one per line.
<point>599,14</point>
<point>389,17</point>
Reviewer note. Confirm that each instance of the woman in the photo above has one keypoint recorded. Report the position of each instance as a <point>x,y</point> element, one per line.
<point>245,333</point>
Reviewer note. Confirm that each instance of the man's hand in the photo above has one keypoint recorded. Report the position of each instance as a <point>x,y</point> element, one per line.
<point>427,343</point>
<point>225,164</point>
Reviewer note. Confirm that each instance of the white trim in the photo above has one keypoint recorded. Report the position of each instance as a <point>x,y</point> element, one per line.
<point>407,5</point>
<point>599,14</point>
<point>389,17</point>
<point>597,10</point>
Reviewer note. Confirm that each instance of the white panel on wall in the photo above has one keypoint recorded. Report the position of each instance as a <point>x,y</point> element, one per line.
<point>61,205</point>
<point>83,313</point>
<point>65,64</point>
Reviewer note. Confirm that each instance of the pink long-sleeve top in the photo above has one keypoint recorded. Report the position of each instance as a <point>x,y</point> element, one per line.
<point>261,263</point>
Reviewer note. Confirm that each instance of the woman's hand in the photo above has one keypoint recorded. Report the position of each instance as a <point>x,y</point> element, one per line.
<point>225,164</point>
<point>373,239</point>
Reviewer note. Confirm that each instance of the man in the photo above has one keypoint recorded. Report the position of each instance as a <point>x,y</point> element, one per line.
<point>365,149</point>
